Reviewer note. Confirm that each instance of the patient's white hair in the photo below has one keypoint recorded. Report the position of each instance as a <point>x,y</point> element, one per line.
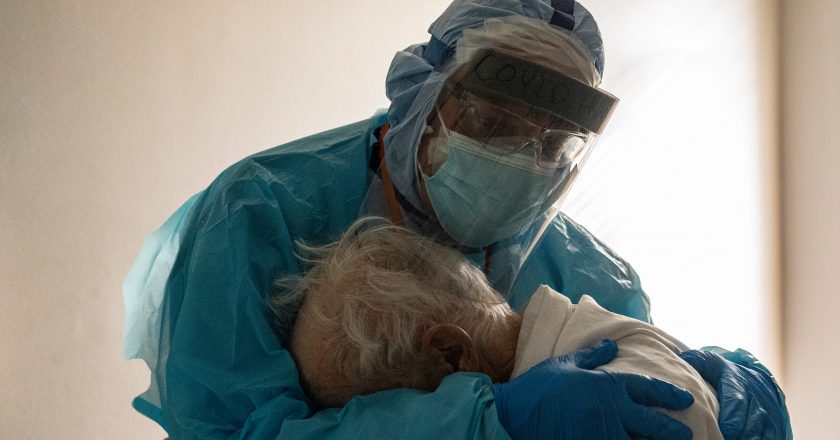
<point>378,289</point>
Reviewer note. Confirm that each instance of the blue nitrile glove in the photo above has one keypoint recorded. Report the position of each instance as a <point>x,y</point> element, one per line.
<point>564,398</point>
<point>752,406</point>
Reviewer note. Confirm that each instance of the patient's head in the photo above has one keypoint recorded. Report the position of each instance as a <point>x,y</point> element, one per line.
<point>385,308</point>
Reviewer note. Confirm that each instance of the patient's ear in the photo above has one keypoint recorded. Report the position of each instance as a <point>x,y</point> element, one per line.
<point>447,348</point>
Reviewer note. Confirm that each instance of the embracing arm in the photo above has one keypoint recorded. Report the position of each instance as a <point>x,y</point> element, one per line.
<point>225,374</point>
<point>575,262</point>
<point>461,408</point>
<point>752,405</point>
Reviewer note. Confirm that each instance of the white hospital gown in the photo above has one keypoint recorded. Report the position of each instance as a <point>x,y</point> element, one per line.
<point>552,325</point>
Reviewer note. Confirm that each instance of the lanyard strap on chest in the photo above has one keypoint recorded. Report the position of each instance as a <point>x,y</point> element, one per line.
<point>387,184</point>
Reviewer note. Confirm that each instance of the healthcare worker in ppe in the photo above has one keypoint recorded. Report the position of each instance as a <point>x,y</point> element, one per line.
<point>489,124</point>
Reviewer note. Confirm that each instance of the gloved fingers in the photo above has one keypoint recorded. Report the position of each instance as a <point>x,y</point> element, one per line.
<point>734,407</point>
<point>760,426</point>
<point>599,354</point>
<point>642,422</point>
<point>742,415</point>
<point>650,391</point>
<point>757,424</point>
<point>749,405</point>
<point>708,364</point>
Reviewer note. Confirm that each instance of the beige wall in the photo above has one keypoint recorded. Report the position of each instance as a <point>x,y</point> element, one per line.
<point>811,200</point>
<point>112,113</point>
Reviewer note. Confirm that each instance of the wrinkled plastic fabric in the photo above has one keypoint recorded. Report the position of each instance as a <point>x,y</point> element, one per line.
<point>765,407</point>
<point>218,369</point>
<point>144,284</point>
<point>143,290</point>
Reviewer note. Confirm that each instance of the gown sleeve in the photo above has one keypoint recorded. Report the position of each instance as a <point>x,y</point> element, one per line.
<point>218,368</point>
<point>227,374</point>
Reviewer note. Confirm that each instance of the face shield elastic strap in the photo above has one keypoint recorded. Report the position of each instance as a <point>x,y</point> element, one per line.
<point>499,75</point>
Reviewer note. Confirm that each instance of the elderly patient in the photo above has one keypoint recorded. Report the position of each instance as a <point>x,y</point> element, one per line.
<point>386,308</point>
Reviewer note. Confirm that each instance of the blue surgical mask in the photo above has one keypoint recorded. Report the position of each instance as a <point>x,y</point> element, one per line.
<point>481,197</point>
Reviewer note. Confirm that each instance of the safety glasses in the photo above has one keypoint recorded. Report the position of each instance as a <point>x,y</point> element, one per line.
<point>552,140</point>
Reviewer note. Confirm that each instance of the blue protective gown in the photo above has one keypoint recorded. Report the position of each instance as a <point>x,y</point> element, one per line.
<point>218,369</point>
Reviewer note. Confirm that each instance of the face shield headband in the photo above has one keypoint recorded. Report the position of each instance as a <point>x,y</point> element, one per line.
<point>498,75</point>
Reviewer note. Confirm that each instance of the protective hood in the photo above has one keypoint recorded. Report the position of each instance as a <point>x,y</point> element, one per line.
<point>564,37</point>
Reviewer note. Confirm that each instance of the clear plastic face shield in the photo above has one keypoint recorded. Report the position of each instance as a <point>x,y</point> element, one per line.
<point>506,141</point>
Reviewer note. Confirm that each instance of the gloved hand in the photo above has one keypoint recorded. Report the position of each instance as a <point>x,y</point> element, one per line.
<point>563,398</point>
<point>752,406</point>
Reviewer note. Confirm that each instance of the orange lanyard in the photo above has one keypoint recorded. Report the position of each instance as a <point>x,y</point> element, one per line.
<point>391,194</point>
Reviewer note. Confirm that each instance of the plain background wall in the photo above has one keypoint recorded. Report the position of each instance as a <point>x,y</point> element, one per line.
<point>114,113</point>
<point>684,182</point>
<point>811,197</point>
